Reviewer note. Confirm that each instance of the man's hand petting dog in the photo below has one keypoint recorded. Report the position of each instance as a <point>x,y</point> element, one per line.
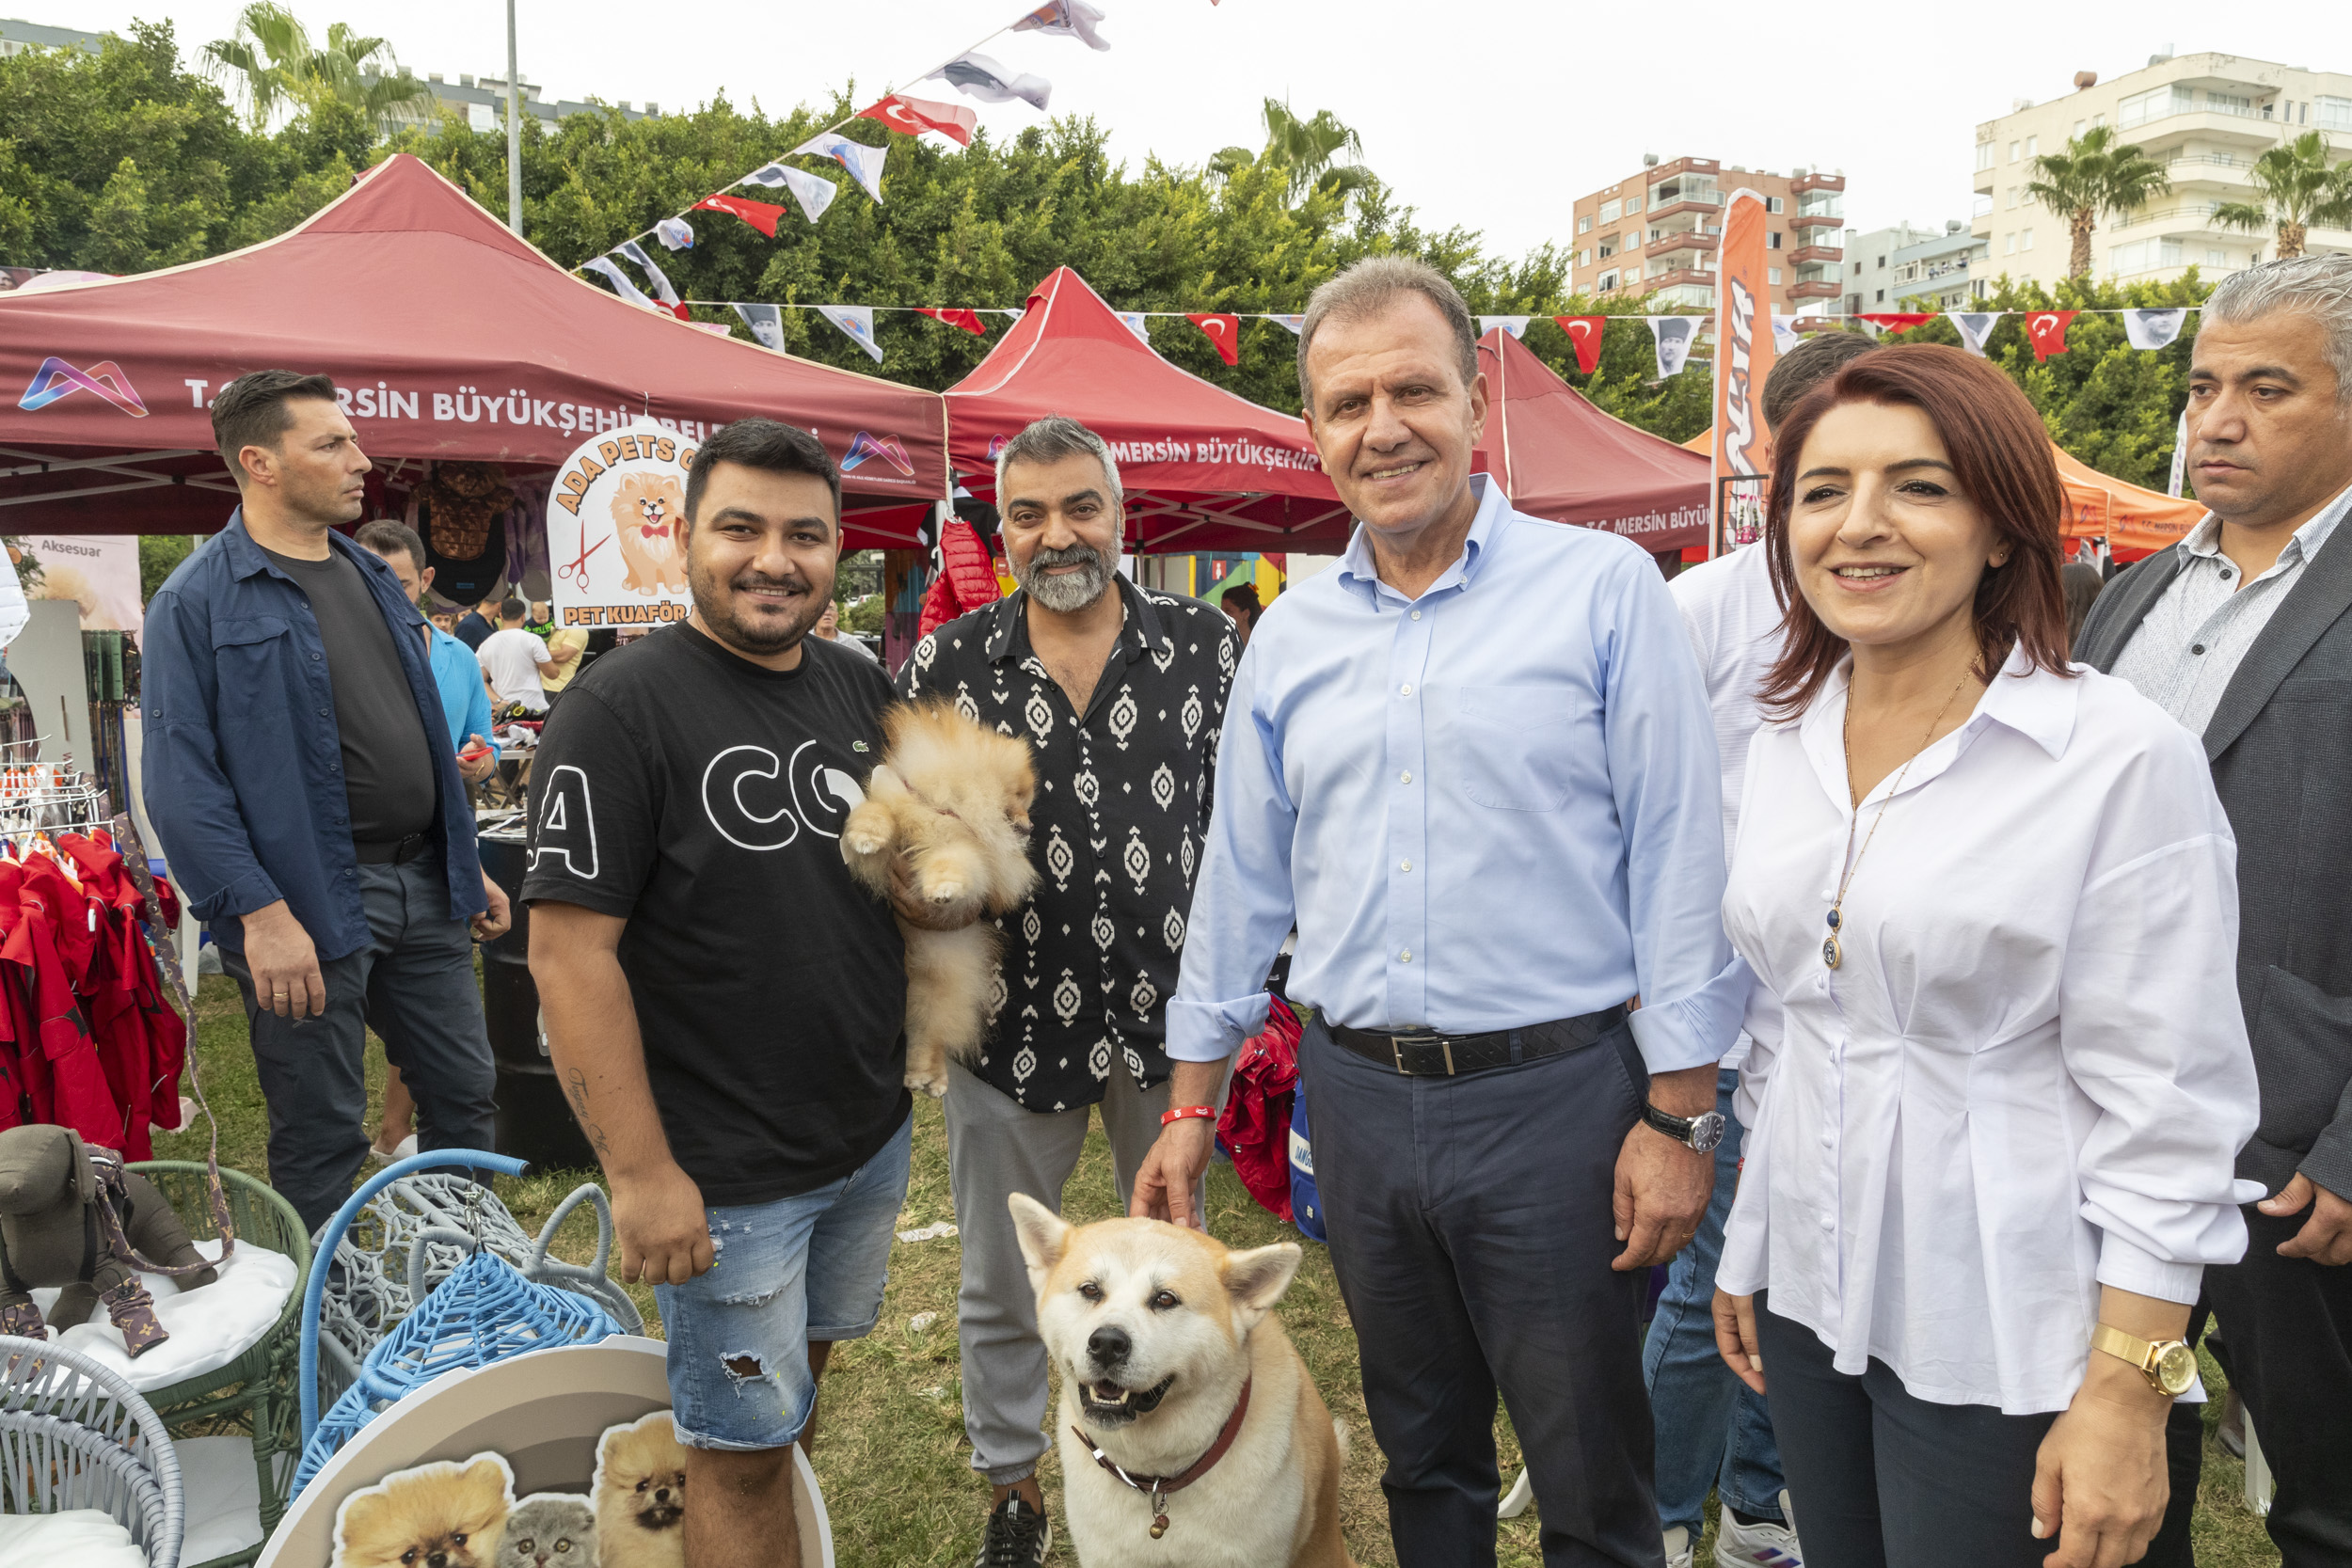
<point>665,1234</point>
<point>1172,1173</point>
<point>921,913</point>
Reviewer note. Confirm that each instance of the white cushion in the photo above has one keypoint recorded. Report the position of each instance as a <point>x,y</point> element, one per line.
<point>223,1496</point>
<point>80,1536</point>
<point>210,1326</point>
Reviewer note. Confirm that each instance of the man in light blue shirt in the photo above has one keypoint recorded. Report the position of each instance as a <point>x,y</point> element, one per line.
<point>465,701</point>
<point>1474,766</point>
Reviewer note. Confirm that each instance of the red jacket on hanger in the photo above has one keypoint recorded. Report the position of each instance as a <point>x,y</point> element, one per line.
<point>967,579</point>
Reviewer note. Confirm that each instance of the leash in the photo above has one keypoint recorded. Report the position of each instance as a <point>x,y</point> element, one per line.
<point>1156,1488</point>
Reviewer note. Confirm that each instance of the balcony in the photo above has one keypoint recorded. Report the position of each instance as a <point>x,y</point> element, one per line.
<point>1805,255</point>
<point>2193,217</point>
<point>1674,277</point>
<point>1708,204</point>
<point>1823,289</point>
<point>1689,239</point>
<point>1817,181</point>
<point>1817,220</point>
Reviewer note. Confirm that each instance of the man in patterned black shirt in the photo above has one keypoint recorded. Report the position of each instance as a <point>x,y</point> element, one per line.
<point>1119,692</point>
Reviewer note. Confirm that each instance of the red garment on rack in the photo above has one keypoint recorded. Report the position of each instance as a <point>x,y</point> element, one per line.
<point>1256,1126</point>
<point>142,1043</point>
<point>52,942</point>
<point>967,579</point>
<point>28,1095</point>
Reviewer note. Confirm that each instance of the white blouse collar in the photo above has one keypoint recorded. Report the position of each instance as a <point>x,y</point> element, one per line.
<point>2036,704</point>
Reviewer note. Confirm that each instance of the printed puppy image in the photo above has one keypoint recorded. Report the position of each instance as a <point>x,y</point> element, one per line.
<point>1161,1335</point>
<point>441,1515</point>
<point>951,799</point>
<point>649,520</point>
<point>641,1496</point>
<point>552,1529</point>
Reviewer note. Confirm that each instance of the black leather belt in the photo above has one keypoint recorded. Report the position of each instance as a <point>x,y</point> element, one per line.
<point>1426,1053</point>
<point>398,852</point>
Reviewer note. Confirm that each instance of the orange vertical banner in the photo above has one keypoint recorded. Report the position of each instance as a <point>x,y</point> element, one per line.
<point>1743,357</point>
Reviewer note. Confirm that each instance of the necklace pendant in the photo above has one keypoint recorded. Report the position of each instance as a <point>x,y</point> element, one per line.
<point>1831,953</point>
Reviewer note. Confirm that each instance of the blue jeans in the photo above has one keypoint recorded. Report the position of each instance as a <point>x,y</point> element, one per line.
<point>1712,1429</point>
<point>807,1267</point>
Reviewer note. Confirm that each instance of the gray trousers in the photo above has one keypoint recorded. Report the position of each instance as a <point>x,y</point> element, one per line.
<point>413,983</point>
<point>996,1148</point>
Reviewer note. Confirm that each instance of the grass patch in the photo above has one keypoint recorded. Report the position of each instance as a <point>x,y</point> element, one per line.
<point>891,1453</point>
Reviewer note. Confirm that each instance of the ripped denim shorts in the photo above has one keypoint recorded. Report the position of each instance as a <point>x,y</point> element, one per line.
<point>802,1268</point>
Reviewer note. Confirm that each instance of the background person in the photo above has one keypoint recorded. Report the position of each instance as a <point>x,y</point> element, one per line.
<point>1119,692</point>
<point>829,627</point>
<point>1998,1075</point>
<point>512,661</point>
<point>300,776</point>
<point>475,626</point>
<point>1712,1431</point>
<point>1241,607</point>
<point>724,1003</point>
<point>2243,632</point>
<point>1473,763</point>
<point>465,705</point>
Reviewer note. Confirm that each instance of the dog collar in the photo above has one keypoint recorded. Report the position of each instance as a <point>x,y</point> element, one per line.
<point>1156,1488</point>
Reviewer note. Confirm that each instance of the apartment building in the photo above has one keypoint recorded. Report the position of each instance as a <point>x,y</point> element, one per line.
<point>1656,232</point>
<point>17,36</point>
<point>1906,268</point>
<point>483,103</point>
<point>2206,118</point>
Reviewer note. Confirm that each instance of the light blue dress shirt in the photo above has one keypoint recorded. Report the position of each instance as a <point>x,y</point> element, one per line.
<point>1494,805</point>
<point>465,701</point>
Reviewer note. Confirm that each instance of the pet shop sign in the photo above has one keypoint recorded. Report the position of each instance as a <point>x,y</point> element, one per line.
<point>616,528</point>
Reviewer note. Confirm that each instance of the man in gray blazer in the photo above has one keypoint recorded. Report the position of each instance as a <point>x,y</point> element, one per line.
<point>2243,631</point>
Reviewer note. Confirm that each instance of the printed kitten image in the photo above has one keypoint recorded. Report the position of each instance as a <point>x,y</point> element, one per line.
<point>552,1529</point>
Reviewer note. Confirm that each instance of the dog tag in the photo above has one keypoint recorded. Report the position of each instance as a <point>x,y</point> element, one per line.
<point>1159,1526</point>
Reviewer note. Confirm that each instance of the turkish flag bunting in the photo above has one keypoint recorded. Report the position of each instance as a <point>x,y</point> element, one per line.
<point>1222,330</point>
<point>968,320</point>
<point>1584,332</point>
<point>1898,321</point>
<point>2046,331</point>
<point>914,115</point>
<point>761,216</point>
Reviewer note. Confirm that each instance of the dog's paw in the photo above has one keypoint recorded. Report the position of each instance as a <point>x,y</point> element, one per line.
<point>862,840</point>
<point>944,892</point>
<point>932,1083</point>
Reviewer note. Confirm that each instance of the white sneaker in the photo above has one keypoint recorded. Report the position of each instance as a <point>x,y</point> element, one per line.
<point>1680,1550</point>
<point>1757,1546</point>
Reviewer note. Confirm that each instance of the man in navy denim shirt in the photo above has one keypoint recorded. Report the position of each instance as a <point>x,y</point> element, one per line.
<point>310,812</point>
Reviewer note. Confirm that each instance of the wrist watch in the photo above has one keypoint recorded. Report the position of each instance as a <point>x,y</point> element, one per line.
<point>1700,1134</point>
<point>2169,1364</point>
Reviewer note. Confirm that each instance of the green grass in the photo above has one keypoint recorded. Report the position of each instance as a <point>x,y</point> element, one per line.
<point>891,1453</point>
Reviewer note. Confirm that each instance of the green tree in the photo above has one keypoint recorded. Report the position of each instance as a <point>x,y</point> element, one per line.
<point>2300,188</point>
<point>2096,175</point>
<point>1304,149</point>
<point>276,66</point>
<point>159,553</point>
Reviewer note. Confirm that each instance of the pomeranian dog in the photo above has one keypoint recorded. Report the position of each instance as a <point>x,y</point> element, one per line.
<point>950,802</point>
<point>444,1515</point>
<point>641,1496</point>
<point>649,519</point>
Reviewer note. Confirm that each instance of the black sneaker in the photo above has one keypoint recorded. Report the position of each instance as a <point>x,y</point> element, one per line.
<point>1018,1536</point>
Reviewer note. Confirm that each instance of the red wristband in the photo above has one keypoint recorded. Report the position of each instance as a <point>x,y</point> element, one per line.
<point>1178,1113</point>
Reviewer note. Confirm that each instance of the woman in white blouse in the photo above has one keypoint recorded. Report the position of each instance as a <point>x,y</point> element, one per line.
<point>2000,1072</point>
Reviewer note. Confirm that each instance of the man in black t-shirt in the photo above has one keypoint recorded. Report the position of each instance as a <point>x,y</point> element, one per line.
<point>724,1003</point>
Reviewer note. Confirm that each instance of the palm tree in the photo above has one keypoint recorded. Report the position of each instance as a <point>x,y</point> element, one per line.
<point>275,66</point>
<point>2095,175</point>
<point>2300,189</point>
<point>1303,150</point>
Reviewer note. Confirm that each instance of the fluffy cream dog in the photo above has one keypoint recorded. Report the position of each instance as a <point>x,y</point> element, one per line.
<point>640,1494</point>
<point>440,1516</point>
<point>1161,1335</point>
<point>951,802</point>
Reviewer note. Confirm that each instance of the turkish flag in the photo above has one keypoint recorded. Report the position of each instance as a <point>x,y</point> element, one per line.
<point>1222,330</point>
<point>1898,321</point>
<point>914,115</point>
<point>761,216</point>
<point>2046,331</point>
<point>968,320</point>
<point>1584,332</point>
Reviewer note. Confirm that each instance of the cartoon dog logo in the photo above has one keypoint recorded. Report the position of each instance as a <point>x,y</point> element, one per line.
<point>649,520</point>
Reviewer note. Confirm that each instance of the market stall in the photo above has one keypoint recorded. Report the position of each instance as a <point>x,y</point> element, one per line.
<point>455,343</point>
<point>2134,522</point>
<point>1203,469</point>
<point>1561,458</point>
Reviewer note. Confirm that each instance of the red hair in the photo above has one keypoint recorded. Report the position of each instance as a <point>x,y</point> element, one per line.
<point>2000,456</point>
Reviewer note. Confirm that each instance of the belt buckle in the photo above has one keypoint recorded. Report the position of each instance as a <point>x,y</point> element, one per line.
<point>1397,1051</point>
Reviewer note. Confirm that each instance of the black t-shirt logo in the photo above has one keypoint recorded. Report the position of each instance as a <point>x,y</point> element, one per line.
<point>567,826</point>
<point>758,803</point>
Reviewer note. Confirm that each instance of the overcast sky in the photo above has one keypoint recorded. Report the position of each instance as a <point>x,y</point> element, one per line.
<point>1494,116</point>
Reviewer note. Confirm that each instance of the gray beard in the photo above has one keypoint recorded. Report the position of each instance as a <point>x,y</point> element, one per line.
<point>1066,596</point>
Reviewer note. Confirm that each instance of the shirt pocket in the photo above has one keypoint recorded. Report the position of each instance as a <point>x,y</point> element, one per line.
<point>1514,744</point>
<point>251,658</point>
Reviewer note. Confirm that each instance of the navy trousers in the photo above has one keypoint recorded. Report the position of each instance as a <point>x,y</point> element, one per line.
<point>1471,1230</point>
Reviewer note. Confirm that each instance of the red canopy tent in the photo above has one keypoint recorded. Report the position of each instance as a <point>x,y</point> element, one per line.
<point>1204,468</point>
<point>1562,458</point>
<point>452,338</point>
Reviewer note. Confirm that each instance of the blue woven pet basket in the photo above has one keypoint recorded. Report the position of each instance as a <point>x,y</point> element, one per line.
<point>485,1311</point>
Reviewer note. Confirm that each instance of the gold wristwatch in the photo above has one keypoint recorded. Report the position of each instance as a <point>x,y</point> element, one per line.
<point>2169,1364</point>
